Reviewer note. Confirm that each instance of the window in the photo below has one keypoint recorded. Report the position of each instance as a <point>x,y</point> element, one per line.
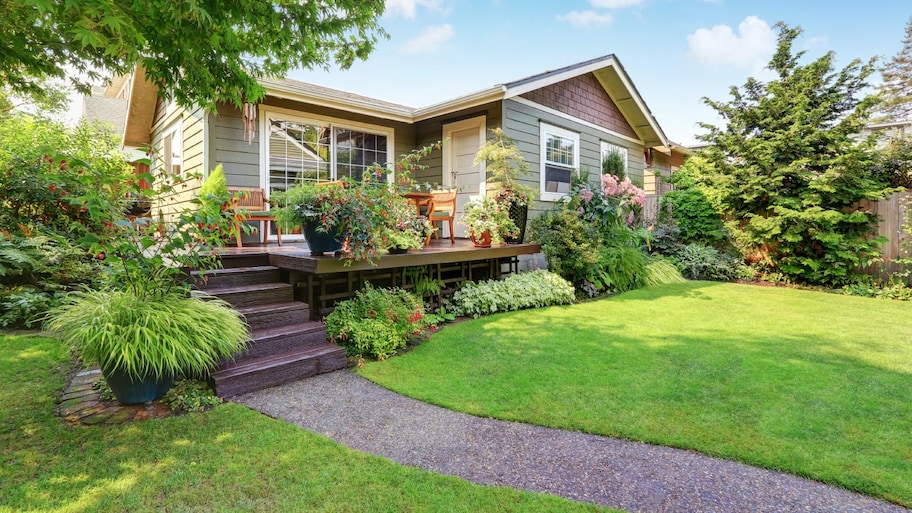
<point>301,151</point>
<point>172,150</point>
<point>559,161</point>
<point>607,150</point>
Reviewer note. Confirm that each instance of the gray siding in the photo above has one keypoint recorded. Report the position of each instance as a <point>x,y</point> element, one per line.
<point>523,123</point>
<point>430,131</point>
<point>241,161</point>
<point>227,146</point>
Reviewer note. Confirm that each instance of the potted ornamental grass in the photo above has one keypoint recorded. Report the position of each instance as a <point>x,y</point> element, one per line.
<point>505,164</point>
<point>487,222</point>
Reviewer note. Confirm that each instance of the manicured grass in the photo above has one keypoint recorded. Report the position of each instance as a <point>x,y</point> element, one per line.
<point>228,459</point>
<point>815,384</point>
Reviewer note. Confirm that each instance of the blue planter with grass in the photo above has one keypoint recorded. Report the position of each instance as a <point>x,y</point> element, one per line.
<point>131,390</point>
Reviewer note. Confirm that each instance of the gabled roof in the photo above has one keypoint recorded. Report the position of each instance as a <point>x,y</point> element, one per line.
<point>612,76</point>
<point>607,70</point>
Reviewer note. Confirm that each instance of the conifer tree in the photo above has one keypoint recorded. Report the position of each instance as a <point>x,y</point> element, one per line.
<point>789,169</point>
<point>897,81</point>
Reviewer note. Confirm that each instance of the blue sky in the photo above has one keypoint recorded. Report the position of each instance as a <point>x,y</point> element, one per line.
<point>676,51</point>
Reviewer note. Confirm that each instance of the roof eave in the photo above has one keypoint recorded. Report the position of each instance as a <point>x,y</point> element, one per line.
<point>475,99</point>
<point>285,90</point>
<point>140,110</point>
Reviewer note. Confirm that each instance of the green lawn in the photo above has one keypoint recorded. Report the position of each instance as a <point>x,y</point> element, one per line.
<point>229,459</point>
<point>815,384</point>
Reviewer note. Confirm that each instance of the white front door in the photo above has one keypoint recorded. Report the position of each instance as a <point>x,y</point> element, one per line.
<point>462,140</point>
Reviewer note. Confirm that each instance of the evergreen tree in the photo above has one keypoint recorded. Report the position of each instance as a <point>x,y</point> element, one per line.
<point>897,81</point>
<point>789,169</point>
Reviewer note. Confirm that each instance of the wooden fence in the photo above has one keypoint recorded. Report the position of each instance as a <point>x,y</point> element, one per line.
<point>892,214</point>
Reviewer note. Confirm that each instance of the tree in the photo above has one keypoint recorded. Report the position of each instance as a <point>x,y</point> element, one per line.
<point>789,169</point>
<point>897,80</point>
<point>198,52</point>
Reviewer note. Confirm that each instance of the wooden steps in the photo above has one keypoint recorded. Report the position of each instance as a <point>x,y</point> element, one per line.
<point>284,344</point>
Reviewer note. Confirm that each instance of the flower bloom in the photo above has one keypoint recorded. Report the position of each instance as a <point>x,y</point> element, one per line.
<point>586,195</point>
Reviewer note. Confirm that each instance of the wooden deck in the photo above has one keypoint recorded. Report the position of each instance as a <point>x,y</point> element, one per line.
<point>322,281</point>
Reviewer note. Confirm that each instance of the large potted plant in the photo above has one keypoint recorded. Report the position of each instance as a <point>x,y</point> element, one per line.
<point>303,205</point>
<point>143,342</point>
<point>506,166</point>
<point>487,222</point>
<point>145,330</point>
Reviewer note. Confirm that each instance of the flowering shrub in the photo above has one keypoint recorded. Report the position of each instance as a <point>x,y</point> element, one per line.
<point>614,200</point>
<point>377,322</point>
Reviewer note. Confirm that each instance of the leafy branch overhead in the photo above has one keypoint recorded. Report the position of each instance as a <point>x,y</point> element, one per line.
<point>200,52</point>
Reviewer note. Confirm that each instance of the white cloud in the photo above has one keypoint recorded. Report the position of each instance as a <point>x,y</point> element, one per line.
<point>615,4</point>
<point>429,40</point>
<point>586,18</point>
<point>752,46</point>
<point>409,8</point>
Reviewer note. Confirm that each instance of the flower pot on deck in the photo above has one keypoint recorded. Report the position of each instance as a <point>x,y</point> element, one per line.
<point>518,214</point>
<point>483,240</point>
<point>320,242</point>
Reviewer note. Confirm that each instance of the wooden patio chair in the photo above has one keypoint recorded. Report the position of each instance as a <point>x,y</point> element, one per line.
<point>253,201</point>
<point>442,207</point>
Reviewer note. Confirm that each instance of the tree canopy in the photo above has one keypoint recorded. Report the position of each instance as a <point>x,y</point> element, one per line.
<point>897,80</point>
<point>197,51</point>
<point>789,168</point>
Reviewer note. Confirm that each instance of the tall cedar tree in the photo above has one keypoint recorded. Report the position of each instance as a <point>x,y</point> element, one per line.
<point>201,52</point>
<point>897,81</point>
<point>789,168</point>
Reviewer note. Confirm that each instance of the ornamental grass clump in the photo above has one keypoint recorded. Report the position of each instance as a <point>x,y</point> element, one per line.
<point>377,322</point>
<point>124,332</point>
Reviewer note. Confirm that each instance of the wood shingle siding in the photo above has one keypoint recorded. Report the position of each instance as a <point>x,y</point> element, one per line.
<point>585,98</point>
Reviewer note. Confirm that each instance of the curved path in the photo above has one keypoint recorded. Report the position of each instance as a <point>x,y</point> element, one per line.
<point>616,473</point>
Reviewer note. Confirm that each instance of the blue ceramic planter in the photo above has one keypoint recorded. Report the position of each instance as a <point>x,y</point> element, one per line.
<point>320,242</point>
<point>130,390</point>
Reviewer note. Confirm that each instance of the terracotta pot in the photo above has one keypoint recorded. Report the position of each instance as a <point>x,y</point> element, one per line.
<point>482,241</point>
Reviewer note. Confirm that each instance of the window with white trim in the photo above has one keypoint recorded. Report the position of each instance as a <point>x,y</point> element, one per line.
<point>317,151</point>
<point>559,161</point>
<point>608,149</point>
<point>172,150</point>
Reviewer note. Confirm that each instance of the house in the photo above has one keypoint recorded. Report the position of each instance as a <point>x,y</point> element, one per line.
<point>563,120</point>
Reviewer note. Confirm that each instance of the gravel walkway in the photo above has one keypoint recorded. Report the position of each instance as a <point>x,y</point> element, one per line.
<point>606,471</point>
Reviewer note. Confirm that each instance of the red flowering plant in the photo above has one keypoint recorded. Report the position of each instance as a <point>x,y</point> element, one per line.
<point>150,255</point>
<point>377,322</point>
<point>371,215</point>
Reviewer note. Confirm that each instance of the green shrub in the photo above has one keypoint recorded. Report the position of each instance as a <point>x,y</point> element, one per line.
<point>699,262</point>
<point>24,306</point>
<point>894,290</point>
<point>694,216</point>
<point>43,170</point>
<point>620,268</point>
<point>215,187</point>
<point>660,271</point>
<point>570,244</point>
<point>376,322</point>
<point>531,289</point>
<point>189,395</point>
